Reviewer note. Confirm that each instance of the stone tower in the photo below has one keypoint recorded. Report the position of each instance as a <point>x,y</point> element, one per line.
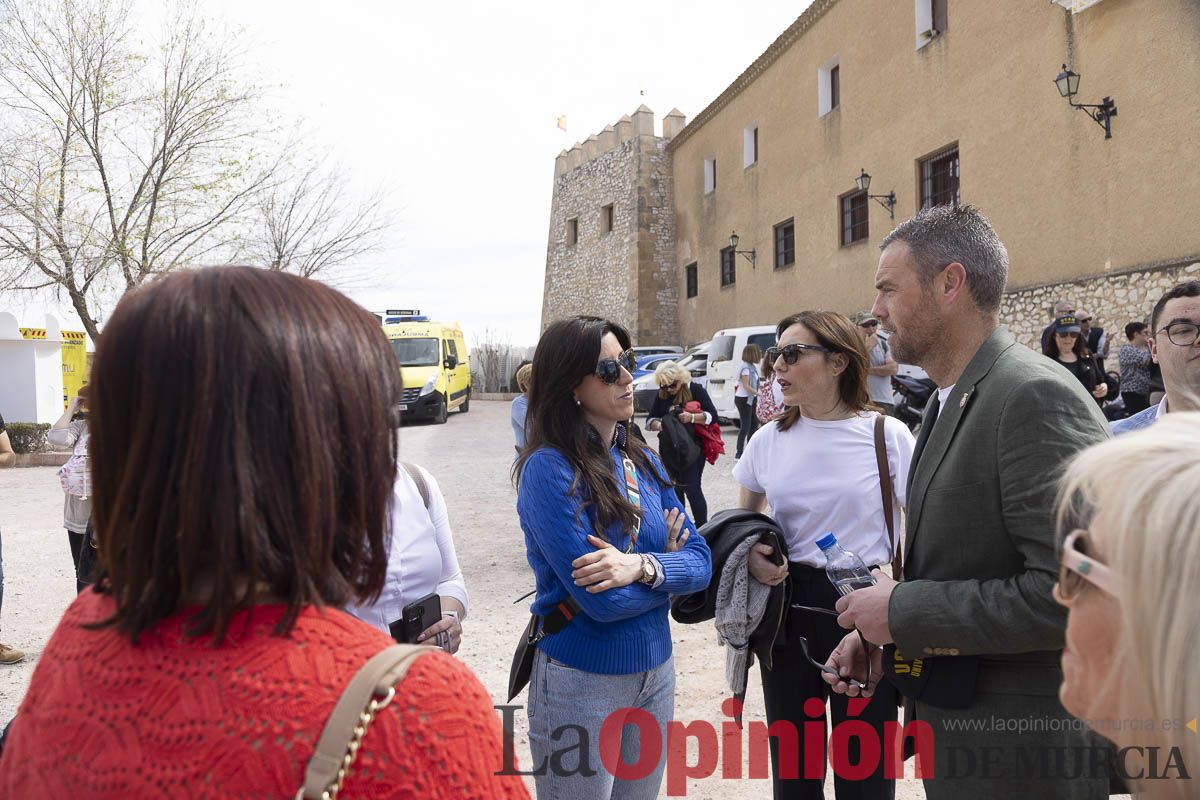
<point>611,250</point>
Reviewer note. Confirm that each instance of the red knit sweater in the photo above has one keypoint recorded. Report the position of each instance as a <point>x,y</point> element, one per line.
<point>177,717</point>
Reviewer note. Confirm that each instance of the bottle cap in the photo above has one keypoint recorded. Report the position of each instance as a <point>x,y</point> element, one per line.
<point>827,541</point>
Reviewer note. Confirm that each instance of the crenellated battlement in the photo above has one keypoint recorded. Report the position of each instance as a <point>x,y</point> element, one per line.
<point>627,128</point>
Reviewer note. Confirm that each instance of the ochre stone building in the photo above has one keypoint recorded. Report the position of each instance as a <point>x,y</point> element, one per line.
<point>938,101</point>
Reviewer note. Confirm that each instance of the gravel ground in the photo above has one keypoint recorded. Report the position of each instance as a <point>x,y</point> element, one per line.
<point>470,456</point>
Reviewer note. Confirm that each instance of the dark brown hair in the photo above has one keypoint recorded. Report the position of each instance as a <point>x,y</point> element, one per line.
<point>241,447</point>
<point>566,354</point>
<point>838,334</point>
<point>1080,348</point>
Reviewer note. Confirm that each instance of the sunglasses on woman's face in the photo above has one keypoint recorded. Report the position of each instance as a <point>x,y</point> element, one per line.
<point>1076,568</point>
<point>609,369</point>
<point>792,352</point>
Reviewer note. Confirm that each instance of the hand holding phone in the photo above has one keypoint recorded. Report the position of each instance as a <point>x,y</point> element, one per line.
<point>415,618</point>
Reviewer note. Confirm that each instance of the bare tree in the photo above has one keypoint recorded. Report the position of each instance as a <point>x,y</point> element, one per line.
<point>118,163</point>
<point>308,225</point>
<point>488,358</point>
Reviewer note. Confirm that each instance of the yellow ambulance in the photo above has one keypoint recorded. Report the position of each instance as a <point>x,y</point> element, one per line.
<point>433,363</point>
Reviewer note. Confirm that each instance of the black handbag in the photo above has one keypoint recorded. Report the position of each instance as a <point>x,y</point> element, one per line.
<point>522,663</point>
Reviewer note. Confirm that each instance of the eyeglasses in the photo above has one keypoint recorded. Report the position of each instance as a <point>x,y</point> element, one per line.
<point>1076,567</point>
<point>791,353</point>
<point>609,369</point>
<point>824,667</point>
<point>1182,334</point>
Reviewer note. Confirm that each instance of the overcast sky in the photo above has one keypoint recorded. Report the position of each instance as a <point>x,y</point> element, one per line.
<point>452,108</point>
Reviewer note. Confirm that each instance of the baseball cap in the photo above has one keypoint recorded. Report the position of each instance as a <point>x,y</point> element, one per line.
<point>1067,323</point>
<point>864,318</point>
<point>1084,316</point>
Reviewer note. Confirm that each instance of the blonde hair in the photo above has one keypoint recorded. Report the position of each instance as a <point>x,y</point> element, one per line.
<point>669,372</point>
<point>1150,537</point>
<point>524,374</point>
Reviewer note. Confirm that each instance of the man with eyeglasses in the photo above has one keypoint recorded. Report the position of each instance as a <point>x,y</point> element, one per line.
<point>1174,340</point>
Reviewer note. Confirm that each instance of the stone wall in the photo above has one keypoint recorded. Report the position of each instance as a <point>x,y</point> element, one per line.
<point>658,278</point>
<point>1113,300</point>
<point>626,274</point>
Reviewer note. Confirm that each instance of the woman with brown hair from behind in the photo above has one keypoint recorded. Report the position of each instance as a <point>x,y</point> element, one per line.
<point>243,455</point>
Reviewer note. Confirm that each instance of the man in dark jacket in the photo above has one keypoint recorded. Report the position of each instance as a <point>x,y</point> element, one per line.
<point>980,556</point>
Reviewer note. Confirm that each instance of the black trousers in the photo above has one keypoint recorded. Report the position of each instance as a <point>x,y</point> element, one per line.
<point>1135,402</point>
<point>747,421</point>
<point>84,557</point>
<point>792,680</point>
<point>689,487</point>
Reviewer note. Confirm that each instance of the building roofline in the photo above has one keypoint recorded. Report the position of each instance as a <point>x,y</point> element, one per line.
<point>777,48</point>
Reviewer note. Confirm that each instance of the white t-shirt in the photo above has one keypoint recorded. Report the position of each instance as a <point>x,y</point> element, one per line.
<point>751,373</point>
<point>421,558</point>
<point>821,476</point>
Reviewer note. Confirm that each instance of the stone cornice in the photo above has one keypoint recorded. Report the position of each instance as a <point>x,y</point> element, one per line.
<point>1149,266</point>
<point>778,47</point>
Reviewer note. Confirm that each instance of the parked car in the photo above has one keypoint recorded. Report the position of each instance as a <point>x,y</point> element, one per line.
<point>724,358</point>
<point>657,349</point>
<point>694,361</point>
<point>646,364</point>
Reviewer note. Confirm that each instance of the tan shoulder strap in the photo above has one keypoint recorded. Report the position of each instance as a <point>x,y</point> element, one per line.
<point>371,689</point>
<point>885,489</point>
<point>419,480</point>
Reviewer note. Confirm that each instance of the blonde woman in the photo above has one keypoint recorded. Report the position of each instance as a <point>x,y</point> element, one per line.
<point>675,390</point>
<point>1128,578</point>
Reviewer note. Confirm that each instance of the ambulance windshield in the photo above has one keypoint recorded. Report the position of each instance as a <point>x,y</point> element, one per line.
<point>416,352</point>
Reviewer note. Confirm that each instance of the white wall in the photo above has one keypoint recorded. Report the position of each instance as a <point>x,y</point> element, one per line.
<point>31,385</point>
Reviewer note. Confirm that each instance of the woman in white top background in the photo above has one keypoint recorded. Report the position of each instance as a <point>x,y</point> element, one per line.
<point>744,395</point>
<point>421,561</point>
<point>816,467</point>
<point>70,432</point>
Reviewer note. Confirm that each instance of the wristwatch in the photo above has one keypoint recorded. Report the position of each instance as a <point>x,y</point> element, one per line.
<point>649,573</point>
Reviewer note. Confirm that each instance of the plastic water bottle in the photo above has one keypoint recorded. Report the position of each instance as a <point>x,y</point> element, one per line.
<point>845,569</point>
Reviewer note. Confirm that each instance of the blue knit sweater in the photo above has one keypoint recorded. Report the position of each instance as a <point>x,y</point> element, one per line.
<point>621,630</point>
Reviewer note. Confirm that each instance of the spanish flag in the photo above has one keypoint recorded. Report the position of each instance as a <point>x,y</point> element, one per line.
<point>561,122</point>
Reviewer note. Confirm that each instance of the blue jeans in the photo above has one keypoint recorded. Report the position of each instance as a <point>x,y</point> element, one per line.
<point>563,700</point>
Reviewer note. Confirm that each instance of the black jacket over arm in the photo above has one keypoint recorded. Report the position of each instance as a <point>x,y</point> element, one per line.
<point>662,405</point>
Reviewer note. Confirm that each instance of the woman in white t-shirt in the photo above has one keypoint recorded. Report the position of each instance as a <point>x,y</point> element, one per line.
<point>744,395</point>
<point>816,468</point>
<point>421,561</point>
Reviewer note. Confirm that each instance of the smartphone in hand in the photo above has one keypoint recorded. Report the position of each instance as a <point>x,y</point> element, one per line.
<point>416,617</point>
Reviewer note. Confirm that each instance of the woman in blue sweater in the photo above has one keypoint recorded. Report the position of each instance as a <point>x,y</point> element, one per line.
<point>605,533</point>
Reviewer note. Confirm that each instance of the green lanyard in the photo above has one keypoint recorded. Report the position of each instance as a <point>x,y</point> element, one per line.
<point>635,496</point>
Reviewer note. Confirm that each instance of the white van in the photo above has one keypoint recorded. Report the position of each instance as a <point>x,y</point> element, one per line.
<point>724,359</point>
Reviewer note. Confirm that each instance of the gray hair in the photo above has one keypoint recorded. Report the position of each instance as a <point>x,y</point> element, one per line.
<point>942,235</point>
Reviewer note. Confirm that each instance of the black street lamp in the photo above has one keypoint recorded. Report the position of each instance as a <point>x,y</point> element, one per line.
<point>888,201</point>
<point>751,254</point>
<point>1103,112</point>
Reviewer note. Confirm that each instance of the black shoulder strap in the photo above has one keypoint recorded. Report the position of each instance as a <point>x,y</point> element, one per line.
<point>560,616</point>
<point>419,480</point>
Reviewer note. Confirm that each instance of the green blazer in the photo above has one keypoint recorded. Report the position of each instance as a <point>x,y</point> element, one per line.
<point>980,554</point>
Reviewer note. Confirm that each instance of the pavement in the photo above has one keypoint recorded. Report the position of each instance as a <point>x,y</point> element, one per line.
<point>470,457</point>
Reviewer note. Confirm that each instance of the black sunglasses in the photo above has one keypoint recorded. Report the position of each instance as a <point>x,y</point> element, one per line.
<point>608,370</point>
<point>827,669</point>
<point>792,352</point>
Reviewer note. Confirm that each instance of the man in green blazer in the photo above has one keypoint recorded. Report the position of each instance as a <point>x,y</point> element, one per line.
<point>980,559</point>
